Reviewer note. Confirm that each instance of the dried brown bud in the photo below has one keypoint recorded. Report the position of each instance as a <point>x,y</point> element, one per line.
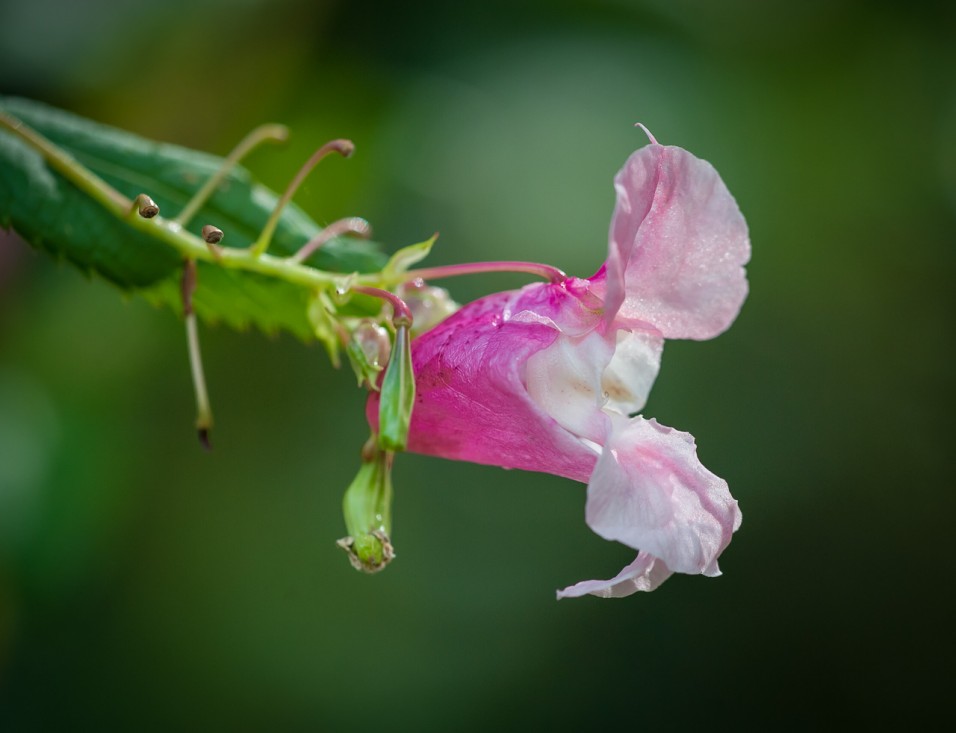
<point>343,147</point>
<point>145,206</point>
<point>211,234</point>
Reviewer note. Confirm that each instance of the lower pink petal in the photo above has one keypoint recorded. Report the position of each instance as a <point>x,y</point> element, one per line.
<point>644,574</point>
<point>650,492</point>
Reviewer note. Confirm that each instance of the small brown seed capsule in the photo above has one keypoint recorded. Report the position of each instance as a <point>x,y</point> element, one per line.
<point>211,234</point>
<point>147,207</point>
<point>343,147</point>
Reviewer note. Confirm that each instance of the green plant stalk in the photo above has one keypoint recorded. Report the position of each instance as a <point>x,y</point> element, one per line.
<point>203,410</point>
<point>166,230</point>
<point>262,134</point>
<point>188,245</point>
<point>64,163</point>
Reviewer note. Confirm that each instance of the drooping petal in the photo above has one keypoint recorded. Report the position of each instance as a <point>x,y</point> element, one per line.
<point>644,574</point>
<point>472,402</point>
<point>650,492</point>
<point>678,244</point>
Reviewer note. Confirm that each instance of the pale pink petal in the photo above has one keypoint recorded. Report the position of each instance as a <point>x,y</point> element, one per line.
<point>650,492</point>
<point>644,574</point>
<point>575,307</point>
<point>678,244</point>
<point>472,402</point>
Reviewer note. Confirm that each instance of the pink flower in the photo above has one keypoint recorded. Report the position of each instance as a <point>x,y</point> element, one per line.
<point>545,378</point>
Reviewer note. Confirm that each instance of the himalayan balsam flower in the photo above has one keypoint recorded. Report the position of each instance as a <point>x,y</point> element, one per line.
<point>545,378</point>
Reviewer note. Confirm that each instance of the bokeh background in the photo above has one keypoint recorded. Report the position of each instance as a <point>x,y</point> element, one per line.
<point>145,584</point>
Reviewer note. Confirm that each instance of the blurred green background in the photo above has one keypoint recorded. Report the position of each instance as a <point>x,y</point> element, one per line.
<point>145,584</point>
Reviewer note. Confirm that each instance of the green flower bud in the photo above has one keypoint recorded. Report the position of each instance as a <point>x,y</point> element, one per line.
<point>398,394</point>
<point>367,506</point>
<point>429,305</point>
<point>368,349</point>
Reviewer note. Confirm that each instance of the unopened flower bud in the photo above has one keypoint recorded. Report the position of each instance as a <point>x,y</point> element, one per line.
<point>367,506</point>
<point>429,305</point>
<point>368,350</point>
<point>145,206</point>
<point>398,394</point>
<point>211,234</point>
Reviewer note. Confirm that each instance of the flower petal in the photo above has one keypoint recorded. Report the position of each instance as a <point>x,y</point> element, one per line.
<point>678,244</point>
<point>565,378</point>
<point>644,574</point>
<point>472,401</point>
<point>629,376</point>
<point>574,378</point>
<point>650,492</point>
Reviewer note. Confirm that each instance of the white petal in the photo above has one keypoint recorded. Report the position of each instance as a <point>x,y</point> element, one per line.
<point>628,379</point>
<point>644,574</point>
<point>564,380</point>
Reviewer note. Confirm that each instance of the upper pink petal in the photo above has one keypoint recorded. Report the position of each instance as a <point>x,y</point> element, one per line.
<point>472,402</point>
<point>650,492</point>
<point>678,244</point>
<point>644,574</point>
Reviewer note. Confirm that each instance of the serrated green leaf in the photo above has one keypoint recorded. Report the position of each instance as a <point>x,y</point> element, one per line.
<point>51,213</point>
<point>240,300</point>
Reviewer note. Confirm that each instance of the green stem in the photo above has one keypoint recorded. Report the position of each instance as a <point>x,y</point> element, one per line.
<point>166,230</point>
<point>354,225</point>
<point>401,314</point>
<point>66,164</point>
<point>472,268</point>
<point>342,147</point>
<point>254,259</point>
<point>262,134</point>
<point>203,410</point>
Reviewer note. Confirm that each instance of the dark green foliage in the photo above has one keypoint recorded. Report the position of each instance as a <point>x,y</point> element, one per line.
<point>49,212</point>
